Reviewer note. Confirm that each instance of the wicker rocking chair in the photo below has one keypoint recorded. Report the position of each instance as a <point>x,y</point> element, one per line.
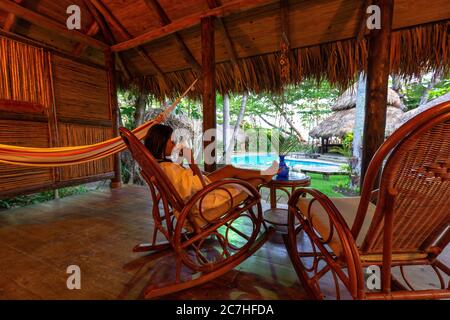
<point>405,222</point>
<point>208,247</point>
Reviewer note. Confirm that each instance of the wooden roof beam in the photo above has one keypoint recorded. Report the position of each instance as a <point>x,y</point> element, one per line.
<point>230,8</point>
<point>92,31</point>
<point>361,31</point>
<point>108,35</point>
<point>11,19</point>
<point>223,30</point>
<point>111,19</point>
<point>165,20</point>
<point>50,24</point>
<point>284,11</point>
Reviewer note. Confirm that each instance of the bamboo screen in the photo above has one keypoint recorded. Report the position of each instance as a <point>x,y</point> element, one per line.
<point>76,102</point>
<point>75,134</point>
<point>24,133</point>
<point>23,73</point>
<point>81,91</point>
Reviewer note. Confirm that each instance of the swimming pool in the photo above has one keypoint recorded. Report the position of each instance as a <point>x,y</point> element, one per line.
<point>265,160</point>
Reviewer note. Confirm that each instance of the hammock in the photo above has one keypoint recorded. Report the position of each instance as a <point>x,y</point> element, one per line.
<point>64,156</point>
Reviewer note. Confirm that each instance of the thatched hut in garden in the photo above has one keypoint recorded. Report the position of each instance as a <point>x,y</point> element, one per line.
<point>342,121</point>
<point>61,63</point>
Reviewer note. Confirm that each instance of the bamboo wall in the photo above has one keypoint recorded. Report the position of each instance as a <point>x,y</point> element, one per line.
<point>47,100</point>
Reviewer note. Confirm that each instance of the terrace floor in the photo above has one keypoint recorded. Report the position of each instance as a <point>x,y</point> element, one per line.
<point>97,231</point>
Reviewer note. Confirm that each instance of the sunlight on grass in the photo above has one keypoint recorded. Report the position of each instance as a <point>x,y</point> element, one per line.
<point>326,186</point>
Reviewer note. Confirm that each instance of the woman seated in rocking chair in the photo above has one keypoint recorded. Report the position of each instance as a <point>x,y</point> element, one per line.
<point>188,181</point>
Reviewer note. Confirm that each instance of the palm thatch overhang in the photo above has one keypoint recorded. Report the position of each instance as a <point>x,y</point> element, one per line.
<point>322,37</point>
<point>342,120</point>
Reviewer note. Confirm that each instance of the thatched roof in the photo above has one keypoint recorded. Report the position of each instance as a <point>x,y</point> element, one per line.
<point>414,112</point>
<point>176,121</point>
<point>340,123</point>
<point>348,99</point>
<point>322,37</point>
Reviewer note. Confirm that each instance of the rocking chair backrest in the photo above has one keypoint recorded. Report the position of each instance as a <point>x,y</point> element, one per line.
<point>151,169</point>
<point>413,207</point>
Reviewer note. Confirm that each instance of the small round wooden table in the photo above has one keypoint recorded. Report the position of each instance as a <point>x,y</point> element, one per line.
<point>278,216</point>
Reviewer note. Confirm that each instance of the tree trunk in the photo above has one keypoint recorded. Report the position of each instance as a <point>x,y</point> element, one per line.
<point>226,123</point>
<point>139,114</point>
<point>238,122</point>
<point>434,80</point>
<point>359,127</point>
<point>291,124</point>
<point>272,125</point>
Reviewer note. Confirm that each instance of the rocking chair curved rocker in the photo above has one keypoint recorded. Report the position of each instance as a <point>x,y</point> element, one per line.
<point>208,242</point>
<point>408,223</point>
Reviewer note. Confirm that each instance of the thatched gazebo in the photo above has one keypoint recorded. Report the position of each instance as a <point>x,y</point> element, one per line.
<point>342,121</point>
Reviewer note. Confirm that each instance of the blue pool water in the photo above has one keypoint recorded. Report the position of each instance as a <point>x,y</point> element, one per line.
<point>263,160</point>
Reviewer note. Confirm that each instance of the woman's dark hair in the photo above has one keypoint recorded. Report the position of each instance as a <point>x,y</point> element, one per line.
<point>156,140</point>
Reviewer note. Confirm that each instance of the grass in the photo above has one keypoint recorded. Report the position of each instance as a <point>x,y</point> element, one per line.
<point>317,182</point>
<point>326,186</point>
<point>22,201</point>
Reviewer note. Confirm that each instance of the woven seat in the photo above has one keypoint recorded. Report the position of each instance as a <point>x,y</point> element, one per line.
<point>408,225</point>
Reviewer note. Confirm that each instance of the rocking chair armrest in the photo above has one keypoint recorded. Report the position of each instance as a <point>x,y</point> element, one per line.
<point>344,233</point>
<point>349,250</point>
<point>374,196</point>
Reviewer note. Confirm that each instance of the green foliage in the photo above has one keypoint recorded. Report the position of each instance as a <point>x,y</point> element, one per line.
<point>191,108</point>
<point>284,144</point>
<point>440,89</point>
<point>22,201</point>
<point>347,146</point>
<point>415,89</point>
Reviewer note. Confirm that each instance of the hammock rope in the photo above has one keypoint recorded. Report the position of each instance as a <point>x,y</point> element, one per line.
<point>64,156</point>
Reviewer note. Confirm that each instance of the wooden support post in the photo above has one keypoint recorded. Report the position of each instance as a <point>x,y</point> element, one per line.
<point>377,84</point>
<point>116,182</point>
<point>209,88</point>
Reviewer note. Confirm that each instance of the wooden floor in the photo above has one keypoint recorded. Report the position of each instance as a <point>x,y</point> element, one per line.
<point>96,231</point>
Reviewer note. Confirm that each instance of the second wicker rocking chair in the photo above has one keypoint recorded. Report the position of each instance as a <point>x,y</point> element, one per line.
<point>404,223</point>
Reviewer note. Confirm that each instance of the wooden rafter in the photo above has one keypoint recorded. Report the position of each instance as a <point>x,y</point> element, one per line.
<point>50,24</point>
<point>108,35</point>
<point>223,30</point>
<point>165,20</point>
<point>92,31</point>
<point>11,19</point>
<point>233,7</point>
<point>362,20</point>
<point>111,19</point>
<point>284,10</point>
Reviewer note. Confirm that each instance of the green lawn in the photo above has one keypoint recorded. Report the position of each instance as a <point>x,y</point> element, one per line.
<point>326,186</point>
<point>317,182</point>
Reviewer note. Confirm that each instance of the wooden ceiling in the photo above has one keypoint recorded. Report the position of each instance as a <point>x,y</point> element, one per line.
<point>248,28</point>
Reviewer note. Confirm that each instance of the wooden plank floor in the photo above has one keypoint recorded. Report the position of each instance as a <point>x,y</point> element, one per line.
<point>97,231</point>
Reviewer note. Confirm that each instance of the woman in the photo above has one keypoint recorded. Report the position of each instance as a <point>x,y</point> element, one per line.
<point>187,181</point>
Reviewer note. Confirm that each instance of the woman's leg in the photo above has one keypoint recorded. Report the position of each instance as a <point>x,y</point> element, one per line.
<point>244,174</point>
